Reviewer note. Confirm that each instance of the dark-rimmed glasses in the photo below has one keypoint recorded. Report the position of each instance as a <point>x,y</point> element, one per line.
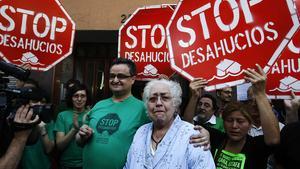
<point>120,76</point>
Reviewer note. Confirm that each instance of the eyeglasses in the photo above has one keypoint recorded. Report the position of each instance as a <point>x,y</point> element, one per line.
<point>162,98</point>
<point>120,76</point>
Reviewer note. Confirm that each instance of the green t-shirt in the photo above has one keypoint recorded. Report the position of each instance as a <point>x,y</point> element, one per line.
<point>34,156</point>
<point>114,125</point>
<point>72,154</point>
<point>228,160</point>
<point>219,124</point>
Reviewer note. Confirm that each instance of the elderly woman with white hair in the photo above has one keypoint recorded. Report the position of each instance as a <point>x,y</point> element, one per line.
<point>164,143</point>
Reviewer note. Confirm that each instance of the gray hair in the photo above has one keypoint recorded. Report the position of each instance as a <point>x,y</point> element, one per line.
<point>174,87</point>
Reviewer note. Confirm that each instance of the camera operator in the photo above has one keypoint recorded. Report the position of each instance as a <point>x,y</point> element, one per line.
<point>42,135</point>
<point>13,154</point>
<point>21,125</point>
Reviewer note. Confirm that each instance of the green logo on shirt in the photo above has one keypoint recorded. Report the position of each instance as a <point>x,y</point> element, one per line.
<point>229,160</point>
<point>110,123</point>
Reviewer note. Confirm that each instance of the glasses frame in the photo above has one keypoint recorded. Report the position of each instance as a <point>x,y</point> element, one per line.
<point>119,76</point>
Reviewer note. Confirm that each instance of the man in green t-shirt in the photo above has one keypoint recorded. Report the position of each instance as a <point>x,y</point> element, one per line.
<point>113,122</point>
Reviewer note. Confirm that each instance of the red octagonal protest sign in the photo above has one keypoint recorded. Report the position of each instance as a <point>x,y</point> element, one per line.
<point>217,39</point>
<point>39,33</point>
<point>142,39</point>
<point>284,75</point>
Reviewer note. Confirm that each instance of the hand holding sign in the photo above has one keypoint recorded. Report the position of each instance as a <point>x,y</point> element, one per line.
<point>257,78</point>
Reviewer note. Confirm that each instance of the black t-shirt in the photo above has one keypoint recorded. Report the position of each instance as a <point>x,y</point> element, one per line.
<point>255,149</point>
<point>288,153</point>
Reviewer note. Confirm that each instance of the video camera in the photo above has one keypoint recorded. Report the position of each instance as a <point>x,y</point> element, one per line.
<point>11,99</point>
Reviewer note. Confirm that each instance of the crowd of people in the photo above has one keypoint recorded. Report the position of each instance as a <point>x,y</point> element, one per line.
<point>125,132</point>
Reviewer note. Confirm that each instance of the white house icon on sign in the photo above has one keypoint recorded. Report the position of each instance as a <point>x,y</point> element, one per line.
<point>289,82</point>
<point>29,57</point>
<point>228,66</point>
<point>150,69</point>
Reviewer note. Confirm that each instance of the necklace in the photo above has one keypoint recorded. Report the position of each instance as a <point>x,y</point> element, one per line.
<point>156,142</point>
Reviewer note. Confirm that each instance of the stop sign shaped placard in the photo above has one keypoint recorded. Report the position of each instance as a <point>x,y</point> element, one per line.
<point>284,75</point>
<point>217,39</point>
<point>39,33</point>
<point>142,39</point>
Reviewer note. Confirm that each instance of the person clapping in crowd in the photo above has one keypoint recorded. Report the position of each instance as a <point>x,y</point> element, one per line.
<point>67,125</point>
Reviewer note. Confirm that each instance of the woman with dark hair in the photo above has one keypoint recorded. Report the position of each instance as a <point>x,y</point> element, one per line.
<point>235,148</point>
<point>67,125</point>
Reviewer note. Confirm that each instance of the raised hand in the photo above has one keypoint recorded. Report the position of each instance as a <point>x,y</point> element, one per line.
<point>257,78</point>
<point>197,86</point>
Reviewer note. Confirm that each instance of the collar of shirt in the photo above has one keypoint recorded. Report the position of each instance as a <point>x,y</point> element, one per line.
<point>256,128</point>
<point>212,120</point>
